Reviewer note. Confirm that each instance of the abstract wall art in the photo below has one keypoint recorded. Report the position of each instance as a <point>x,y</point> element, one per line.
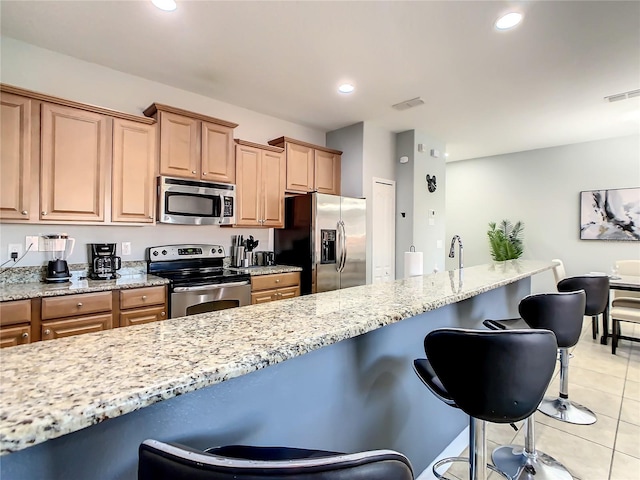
<point>610,214</point>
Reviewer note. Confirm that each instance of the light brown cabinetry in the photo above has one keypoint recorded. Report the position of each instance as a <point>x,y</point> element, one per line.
<point>193,145</point>
<point>133,173</point>
<point>15,157</point>
<point>74,163</point>
<point>67,162</point>
<point>142,305</point>
<point>269,288</point>
<point>260,177</point>
<point>310,168</point>
<point>69,315</point>
<point>15,323</point>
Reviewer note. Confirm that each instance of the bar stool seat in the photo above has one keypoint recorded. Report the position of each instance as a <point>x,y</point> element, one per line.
<point>491,387</point>
<point>561,313</point>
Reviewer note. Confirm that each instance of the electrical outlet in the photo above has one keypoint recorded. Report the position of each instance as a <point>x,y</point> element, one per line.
<point>15,248</point>
<point>126,248</point>
<point>33,241</point>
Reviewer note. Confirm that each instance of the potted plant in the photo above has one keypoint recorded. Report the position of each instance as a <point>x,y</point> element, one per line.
<point>505,240</point>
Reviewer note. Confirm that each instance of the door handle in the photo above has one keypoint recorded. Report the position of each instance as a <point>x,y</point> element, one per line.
<point>339,244</point>
<point>344,246</point>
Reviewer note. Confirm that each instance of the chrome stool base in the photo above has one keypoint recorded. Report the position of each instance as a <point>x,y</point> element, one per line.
<point>512,460</point>
<point>444,461</point>
<point>567,411</point>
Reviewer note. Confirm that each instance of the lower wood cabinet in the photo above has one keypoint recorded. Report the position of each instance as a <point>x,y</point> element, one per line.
<point>26,321</point>
<point>15,323</point>
<point>279,286</point>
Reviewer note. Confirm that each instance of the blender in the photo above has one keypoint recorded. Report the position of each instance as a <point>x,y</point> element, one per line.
<point>58,247</point>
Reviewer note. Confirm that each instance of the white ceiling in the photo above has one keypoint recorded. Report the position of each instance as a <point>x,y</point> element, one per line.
<point>486,92</point>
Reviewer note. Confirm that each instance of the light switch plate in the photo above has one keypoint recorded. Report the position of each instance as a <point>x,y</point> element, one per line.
<point>32,240</point>
<point>126,248</point>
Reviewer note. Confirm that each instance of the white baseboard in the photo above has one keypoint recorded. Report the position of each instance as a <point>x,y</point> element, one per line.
<point>454,449</point>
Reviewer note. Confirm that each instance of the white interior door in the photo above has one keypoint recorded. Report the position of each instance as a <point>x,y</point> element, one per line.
<point>383,244</point>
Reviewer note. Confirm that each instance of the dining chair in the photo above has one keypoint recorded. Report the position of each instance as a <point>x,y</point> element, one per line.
<point>623,309</point>
<point>559,272</point>
<point>627,268</point>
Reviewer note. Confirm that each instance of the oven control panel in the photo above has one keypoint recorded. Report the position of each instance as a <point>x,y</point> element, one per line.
<point>184,252</point>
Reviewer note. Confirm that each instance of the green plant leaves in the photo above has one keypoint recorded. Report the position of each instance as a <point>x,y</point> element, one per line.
<point>505,240</point>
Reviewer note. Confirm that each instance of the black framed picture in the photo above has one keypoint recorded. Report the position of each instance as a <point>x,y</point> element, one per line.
<point>612,214</point>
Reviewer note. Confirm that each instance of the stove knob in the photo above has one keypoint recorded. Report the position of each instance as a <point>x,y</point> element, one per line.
<point>155,253</point>
<point>219,250</point>
<point>164,252</point>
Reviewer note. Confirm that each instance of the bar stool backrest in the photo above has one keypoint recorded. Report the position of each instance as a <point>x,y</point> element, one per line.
<point>595,286</point>
<point>562,313</point>
<point>496,376</point>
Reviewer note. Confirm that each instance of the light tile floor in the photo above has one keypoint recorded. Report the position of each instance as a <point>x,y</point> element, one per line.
<point>607,384</point>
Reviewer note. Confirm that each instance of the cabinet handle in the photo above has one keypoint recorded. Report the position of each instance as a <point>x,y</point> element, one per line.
<point>24,212</point>
<point>144,297</point>
<point>151,217</point>
<point>162,314</point>
<point>25,335</point>
<point>204,173</point>
<point>47,332</point>
<point>44,213</point>
<point>193,171</point>
<point>79,304</point>
<point>277,280</point>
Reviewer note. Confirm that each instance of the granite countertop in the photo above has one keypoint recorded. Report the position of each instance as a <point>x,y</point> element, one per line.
<point>19,291</point>
<point>41,399</point>
<point>266,270</point>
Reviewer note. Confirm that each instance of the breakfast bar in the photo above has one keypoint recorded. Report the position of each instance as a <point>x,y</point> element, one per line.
<point>339,377</point>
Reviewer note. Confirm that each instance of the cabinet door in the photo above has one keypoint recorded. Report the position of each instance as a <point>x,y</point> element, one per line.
<point>248,174</point>
<point>327,172</point>
<point>75,326</point>
<point>273,186</point>
<point>299,168</point>
<point>289,292</point>
<point>179,149</point>
<point>218,162</point>
<point>15,157</point>
<point>16,335</point>
<point>138,316</point>
<point>15,312</point>
<point>264,296</point>
<point>74,164</point>
<point>134,159</point>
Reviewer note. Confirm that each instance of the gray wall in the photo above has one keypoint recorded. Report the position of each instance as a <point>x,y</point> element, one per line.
<point>350,141</point>
<point>541,188</point>
<point>44,71</point>
<point>413,198</point>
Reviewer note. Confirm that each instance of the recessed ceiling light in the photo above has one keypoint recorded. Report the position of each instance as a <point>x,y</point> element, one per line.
<point>346,88</point>
<point>508,21</point>
<point>166,5</point>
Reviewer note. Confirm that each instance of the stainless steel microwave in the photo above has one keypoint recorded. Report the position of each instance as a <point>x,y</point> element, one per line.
<point>190,202</point>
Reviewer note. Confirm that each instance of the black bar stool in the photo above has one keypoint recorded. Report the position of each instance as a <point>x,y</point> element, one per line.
<point>561,313</point>
<point>164,461</point>
<point>503,382</point>
<point>597,289</point>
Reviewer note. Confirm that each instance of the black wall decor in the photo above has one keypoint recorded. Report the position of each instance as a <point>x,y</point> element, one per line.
<point>431,183</point>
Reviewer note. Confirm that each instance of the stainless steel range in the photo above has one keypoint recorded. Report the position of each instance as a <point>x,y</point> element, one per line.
<point>198,281</point>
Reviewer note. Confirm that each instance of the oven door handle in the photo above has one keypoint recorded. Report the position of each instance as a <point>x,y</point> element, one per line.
<point>210,287</point>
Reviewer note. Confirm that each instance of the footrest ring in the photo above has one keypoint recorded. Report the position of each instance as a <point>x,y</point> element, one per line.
<point>444,461</point>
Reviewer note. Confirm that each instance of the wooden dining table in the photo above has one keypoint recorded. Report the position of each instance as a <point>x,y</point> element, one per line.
<point>630,283</point>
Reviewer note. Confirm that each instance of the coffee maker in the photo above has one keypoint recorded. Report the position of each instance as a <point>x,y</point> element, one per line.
<point>58,247</point>
<point>103,261</point>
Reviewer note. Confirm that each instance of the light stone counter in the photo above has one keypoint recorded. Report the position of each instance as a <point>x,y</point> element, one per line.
<point>266,270</point>
<point>49,389</point>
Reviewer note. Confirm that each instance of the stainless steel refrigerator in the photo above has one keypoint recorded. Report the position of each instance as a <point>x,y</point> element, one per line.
<point>326,236</point>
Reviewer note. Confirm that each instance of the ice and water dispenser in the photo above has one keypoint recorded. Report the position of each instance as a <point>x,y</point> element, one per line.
<point>328,246</point>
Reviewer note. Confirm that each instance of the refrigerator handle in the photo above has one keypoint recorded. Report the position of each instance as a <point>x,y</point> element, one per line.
<point>343,247</point>
<point>339,245</point>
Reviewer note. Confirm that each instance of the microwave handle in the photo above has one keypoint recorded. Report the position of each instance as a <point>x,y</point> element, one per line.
<point>221,208</point>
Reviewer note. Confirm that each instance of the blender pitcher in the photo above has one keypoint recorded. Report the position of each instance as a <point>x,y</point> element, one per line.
<point>58,247</point>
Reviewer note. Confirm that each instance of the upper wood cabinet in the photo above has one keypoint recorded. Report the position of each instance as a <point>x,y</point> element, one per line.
<point>193,145</point>
<point>260,177</point>
<point>15,158</point>
<point>310,168</point>
<point>133,185</point>
<point>74,164</point>
<point>68,162</point>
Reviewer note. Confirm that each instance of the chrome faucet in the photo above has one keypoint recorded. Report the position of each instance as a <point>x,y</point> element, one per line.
<point>452,251</point>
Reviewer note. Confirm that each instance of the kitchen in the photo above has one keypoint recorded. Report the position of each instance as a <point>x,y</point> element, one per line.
<point>65,79</point>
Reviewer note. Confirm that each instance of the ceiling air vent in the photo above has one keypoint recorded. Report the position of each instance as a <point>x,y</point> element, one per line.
<point>623,96</point>
<point>407,104</point>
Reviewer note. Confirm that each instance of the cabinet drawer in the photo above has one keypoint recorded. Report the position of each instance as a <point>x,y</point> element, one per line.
<point>141,297</point>
<point>264,296</point>
<point>18,335</point>
<point>76,326</point>
<point>67,306</point>
<point>264,282</point>
<point>18,311</point>
<point>142,315</point>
